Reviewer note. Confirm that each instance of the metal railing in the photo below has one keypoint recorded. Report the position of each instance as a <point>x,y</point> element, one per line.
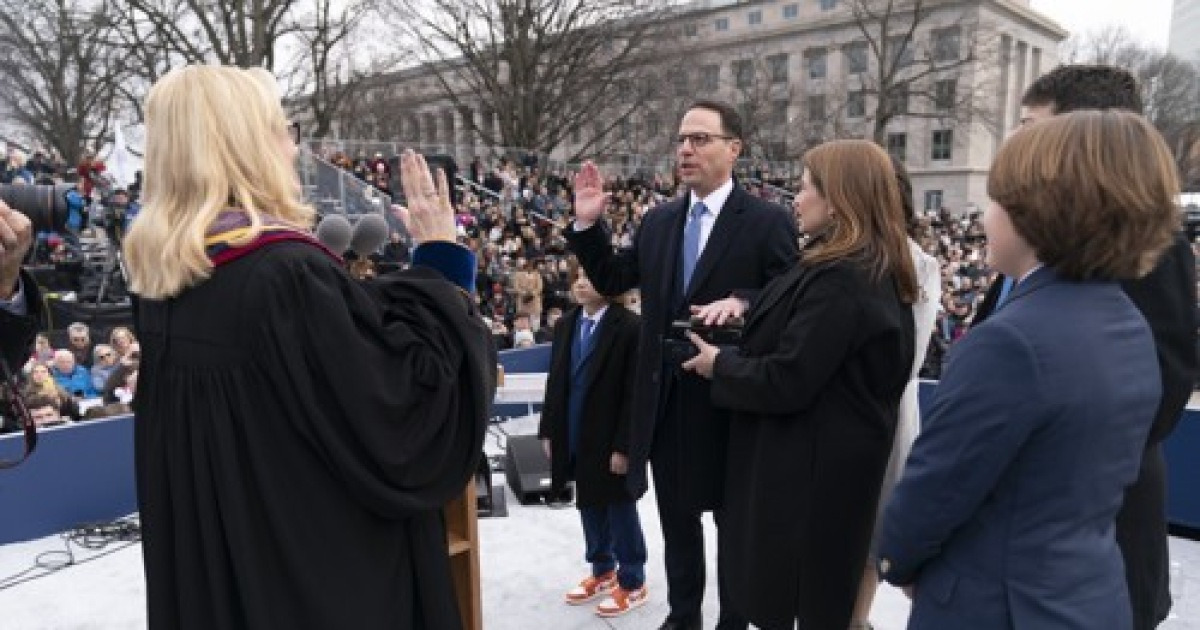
<point>625,164</point>
<point>333,190</point>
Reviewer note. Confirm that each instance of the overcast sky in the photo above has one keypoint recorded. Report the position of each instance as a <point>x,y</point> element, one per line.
<point>1148,20</point>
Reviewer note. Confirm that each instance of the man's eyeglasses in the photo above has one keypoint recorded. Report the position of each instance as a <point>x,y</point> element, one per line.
<point>699,139</point>
<point>107,355</point>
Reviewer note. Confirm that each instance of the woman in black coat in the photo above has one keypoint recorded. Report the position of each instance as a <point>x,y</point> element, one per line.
<point>585,427</point>
<point>815,389</point>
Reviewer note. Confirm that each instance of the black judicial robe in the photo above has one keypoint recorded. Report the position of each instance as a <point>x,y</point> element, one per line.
<point>297,436</point>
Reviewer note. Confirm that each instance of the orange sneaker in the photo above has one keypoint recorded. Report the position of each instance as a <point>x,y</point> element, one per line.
<point>591,588</point>
<point>621,601</point>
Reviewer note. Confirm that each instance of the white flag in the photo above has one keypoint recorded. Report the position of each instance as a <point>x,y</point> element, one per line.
<point>122,167</point>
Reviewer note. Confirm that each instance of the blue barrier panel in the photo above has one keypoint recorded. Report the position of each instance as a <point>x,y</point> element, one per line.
<point>526,360</point>
<point>84,472</point>
<point>1182,451</point>
<point>78,474</point>
<point>535,360</point>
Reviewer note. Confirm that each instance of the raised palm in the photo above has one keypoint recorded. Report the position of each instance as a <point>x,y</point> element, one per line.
<point>589,194</point>
<point>429,215</point>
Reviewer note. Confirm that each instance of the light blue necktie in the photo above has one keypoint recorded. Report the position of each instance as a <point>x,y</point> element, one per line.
<point>580,351</point>
<point>691,242</point>
<point>585,334</point>
<point>1005,289</point>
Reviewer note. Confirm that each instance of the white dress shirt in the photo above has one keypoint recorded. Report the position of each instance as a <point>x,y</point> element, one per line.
<point>715,201</point>
<point>16,304</point>
<point>595,317</point>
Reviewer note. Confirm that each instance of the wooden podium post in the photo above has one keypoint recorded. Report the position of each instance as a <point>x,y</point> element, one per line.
<point>462,534</point>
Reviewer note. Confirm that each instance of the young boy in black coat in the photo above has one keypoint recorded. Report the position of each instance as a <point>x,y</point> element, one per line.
<point>585,429</point>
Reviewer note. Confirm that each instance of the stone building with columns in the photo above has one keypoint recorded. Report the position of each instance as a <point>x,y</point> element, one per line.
<point>800,70</point>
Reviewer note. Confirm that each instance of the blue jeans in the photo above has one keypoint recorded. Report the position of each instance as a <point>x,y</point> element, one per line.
<point>613,535</point>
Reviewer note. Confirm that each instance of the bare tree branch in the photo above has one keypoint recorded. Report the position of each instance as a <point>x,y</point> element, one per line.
<point>924,59</point>
<point>234,32</point>
<point>58,78</point>
<point>543,67</point>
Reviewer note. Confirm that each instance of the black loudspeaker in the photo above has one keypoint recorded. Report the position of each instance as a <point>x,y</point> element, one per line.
<point>527,469</point>
<point>489,499</point>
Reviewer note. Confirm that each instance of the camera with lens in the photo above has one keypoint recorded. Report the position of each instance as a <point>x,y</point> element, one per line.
<point>677,348</point>
<point>48,207</point>
<point>113,209</point>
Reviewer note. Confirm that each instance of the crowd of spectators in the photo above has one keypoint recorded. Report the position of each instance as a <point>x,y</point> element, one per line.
<point>512,216</point>
<point>77,378</point>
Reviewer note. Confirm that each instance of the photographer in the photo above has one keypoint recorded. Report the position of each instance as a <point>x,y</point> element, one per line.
<point>119,212</point>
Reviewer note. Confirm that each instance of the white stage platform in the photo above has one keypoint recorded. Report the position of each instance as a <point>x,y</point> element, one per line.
<point>529,558</point>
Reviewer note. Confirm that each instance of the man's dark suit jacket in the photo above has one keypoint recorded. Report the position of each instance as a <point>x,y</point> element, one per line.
<point>17,332</point>
<point>751,242</point>
<point>1166,297</point>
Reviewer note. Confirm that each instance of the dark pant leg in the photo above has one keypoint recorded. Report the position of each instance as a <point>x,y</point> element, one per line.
<point>597,536</point>
<point>629,544</point>
<point>1142,537</point>
<point>730,619</point>
<point>683,542</point>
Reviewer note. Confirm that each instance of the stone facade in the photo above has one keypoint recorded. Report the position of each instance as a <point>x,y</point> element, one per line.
<point>789,58</point>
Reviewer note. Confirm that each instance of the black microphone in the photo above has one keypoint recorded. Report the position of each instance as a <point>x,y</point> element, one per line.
<point>334,233</point>
<point>370,233</point>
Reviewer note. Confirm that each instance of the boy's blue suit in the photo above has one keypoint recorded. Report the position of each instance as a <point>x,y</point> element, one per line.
<point>1005,515</point>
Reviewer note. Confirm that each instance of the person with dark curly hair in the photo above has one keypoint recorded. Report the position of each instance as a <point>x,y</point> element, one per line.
<point>1073,87</point>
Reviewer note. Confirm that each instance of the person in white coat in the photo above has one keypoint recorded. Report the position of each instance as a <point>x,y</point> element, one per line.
<point>909,422</point>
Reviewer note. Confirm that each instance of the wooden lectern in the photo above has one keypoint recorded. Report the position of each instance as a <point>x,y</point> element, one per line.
<point>462,534</point>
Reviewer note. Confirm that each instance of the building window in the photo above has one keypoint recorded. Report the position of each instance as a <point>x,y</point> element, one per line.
<point>577,134</point>
<point>897,146</point>
<point>933,200</point>
<point>755,18</point>
<point>791,11</point>
<point>900,51</point>
<point>944,94</point>
<point>626,130</point>
<point>778,65</point>
<point>856,57</point>
<point>743,73</point>
<point>898,99</point>
<point>947,44</point>
<point>815,60</point>
<point>710,77</point>
<point>679,82</point>
<point>816,107</point>
<point>943,145</point>
<point>779,113</point>
<point>856,104</point>
<point>828,5</point>
<point>690,30</point>
<point>598,131</point>
<point>722,24</point>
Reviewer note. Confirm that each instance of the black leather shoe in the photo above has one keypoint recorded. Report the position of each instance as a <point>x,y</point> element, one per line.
<point>690,624</point>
